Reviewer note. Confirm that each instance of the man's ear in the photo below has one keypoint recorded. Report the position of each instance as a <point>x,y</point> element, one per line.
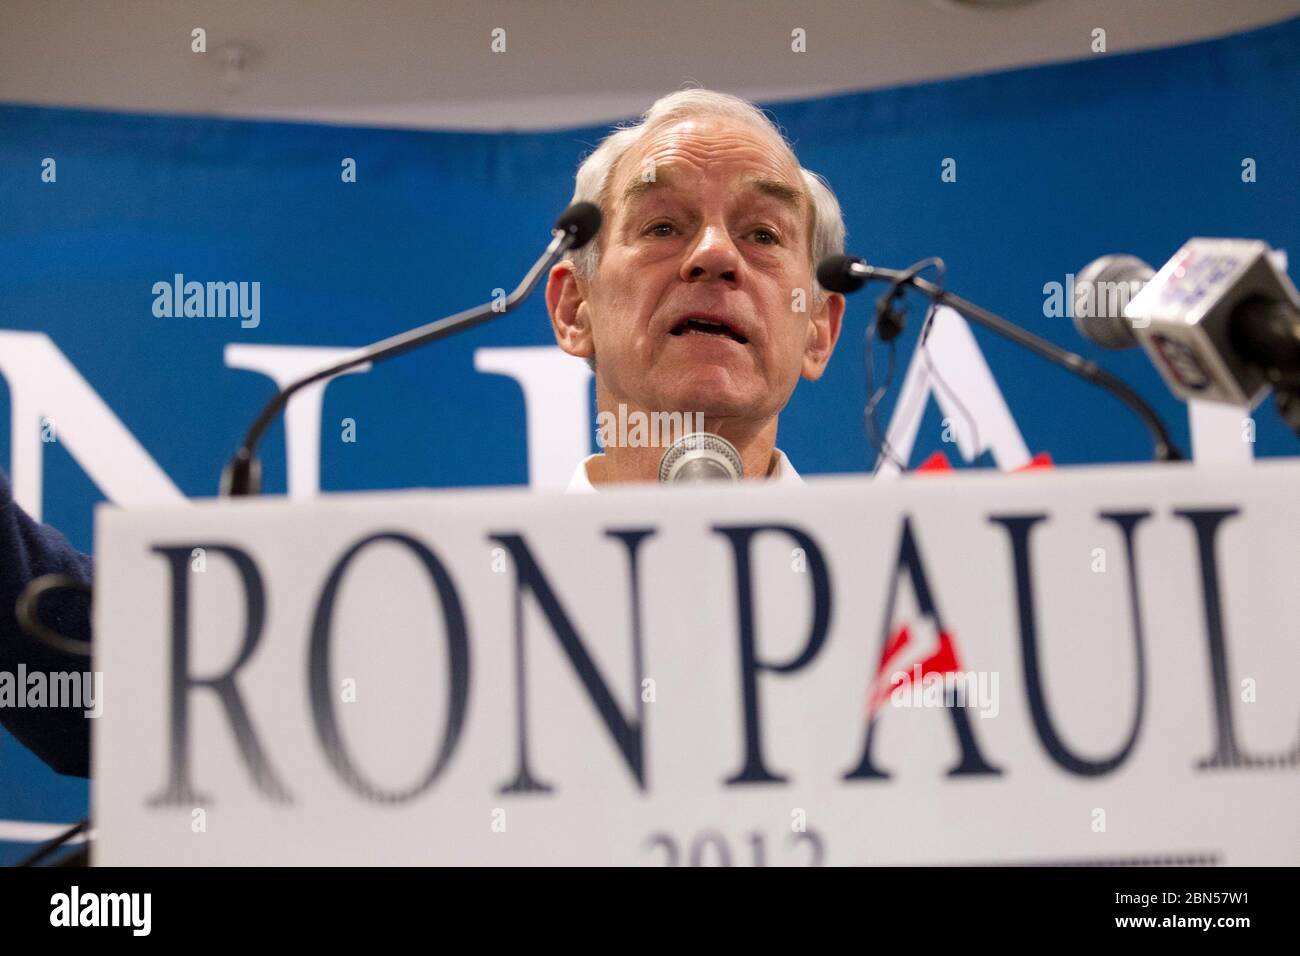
<point>570,314</point>
<point>823,333</point>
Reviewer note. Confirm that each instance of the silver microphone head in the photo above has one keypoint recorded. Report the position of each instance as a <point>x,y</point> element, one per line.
<point>1101,290</point>
<point>701,456</point>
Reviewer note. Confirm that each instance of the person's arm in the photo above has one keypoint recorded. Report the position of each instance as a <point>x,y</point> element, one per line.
<point>58,735</point>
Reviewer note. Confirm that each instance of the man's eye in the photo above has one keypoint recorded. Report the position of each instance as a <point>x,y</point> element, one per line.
<point>661,229</point>
<point>766,237</point>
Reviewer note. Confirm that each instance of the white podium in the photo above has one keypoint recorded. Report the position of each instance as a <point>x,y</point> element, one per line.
<point>1092,665</point>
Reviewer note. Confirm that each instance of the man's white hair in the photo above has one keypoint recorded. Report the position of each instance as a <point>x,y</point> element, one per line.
<point>592,183</point>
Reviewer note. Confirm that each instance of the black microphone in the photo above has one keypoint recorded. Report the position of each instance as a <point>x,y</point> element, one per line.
<point>573,230</point>
<point>846,274</point>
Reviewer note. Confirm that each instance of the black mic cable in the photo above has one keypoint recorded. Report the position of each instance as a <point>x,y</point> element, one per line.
<point>576,227</point>
<point>847,274</point>
<point>45,849</point>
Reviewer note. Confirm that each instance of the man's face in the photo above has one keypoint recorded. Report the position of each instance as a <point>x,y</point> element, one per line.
<point>702,301</point>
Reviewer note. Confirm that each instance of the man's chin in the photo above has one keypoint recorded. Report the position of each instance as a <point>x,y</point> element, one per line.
<point>715,393</point>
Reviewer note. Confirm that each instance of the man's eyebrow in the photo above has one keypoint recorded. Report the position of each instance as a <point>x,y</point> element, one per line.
<point>781,191</point>
<point>639,186</point>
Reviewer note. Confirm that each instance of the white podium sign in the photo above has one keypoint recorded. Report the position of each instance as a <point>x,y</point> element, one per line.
<point>1087,665</point>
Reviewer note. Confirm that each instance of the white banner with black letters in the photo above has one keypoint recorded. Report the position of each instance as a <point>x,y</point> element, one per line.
<point>1087,665</point>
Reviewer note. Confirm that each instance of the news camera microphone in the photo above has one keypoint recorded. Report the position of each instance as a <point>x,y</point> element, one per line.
<point>847,274</point>
<point>700,456</point>
<point>1220,320</point>
<point>576,227</point>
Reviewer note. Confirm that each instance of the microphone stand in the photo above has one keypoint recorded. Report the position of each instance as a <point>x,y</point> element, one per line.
<point>1164,447</point>
<point>243,473</point>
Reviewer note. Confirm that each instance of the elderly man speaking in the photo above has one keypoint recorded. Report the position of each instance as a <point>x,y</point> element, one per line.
<point>699,296</point>
<point>699,299</point>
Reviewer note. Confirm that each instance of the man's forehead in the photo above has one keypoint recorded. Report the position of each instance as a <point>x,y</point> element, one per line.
<point>670,177</point>
<point>680,154</point>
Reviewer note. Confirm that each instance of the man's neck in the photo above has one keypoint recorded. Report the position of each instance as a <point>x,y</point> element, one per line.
<point>636,461</point>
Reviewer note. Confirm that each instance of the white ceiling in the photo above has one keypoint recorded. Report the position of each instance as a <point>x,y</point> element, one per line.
<point>567,63</point>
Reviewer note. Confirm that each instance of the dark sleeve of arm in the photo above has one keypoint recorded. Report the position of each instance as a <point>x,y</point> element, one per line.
<point>58,735</point>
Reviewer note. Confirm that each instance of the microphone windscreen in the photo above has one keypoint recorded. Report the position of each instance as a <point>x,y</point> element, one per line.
<point>835,274</point>
<point>1101,290</point>
<point>701,456</point>
<point>581,220</point>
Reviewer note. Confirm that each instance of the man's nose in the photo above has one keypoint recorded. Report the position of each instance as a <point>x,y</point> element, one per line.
<point>714,256</point>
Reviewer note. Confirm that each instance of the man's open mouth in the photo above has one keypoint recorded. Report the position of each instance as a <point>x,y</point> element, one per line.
<point>704,326</point>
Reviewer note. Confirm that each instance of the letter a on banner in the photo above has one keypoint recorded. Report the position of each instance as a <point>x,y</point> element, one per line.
<point>965,382</point>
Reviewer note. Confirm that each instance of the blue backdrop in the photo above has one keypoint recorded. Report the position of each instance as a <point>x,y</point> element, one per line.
<point>1056,165</point>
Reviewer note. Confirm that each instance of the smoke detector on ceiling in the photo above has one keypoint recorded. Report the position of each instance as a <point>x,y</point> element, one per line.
<point>235,60</point>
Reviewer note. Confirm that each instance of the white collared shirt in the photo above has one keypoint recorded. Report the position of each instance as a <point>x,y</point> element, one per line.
<point>580,483</point>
